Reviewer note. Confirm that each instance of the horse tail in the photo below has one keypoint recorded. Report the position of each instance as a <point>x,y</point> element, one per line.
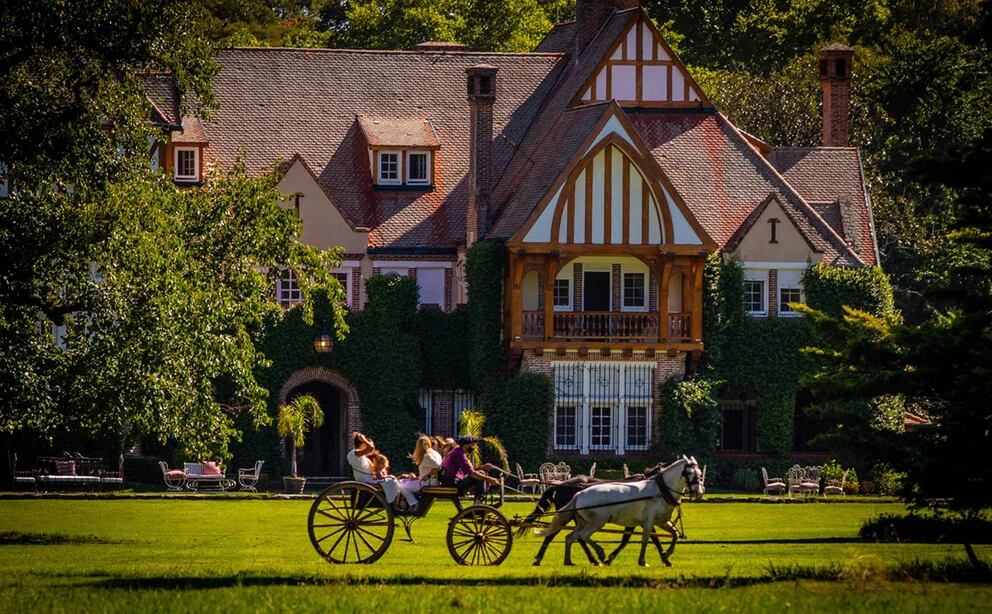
<point>543,505</point>
<point>562,517</point>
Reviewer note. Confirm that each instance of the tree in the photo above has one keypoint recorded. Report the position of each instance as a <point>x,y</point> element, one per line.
<point>296,419</point>
<point>941,364</point>
<point>127,305</point>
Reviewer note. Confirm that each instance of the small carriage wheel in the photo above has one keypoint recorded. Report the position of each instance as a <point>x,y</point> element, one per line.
<point>350,522</point>
<point>479,535</point>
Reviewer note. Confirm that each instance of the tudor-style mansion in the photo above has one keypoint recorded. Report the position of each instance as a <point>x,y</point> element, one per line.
<point>597,160</point>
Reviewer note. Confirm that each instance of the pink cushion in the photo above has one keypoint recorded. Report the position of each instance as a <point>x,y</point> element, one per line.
<point>65,467</point>
<point>175,474</point>
<point>211,468</point>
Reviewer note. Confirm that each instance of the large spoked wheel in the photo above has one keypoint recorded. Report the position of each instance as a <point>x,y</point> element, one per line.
<point>479,535</point>
<point>351,522</point>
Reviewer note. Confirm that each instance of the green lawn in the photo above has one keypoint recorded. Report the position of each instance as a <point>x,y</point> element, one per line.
<point>228,555</point>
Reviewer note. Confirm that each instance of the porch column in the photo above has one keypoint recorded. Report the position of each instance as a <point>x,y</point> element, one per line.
<point>516,297</point>
<point>550,272</point>
<point>697,300</point>
<point>665,272</point>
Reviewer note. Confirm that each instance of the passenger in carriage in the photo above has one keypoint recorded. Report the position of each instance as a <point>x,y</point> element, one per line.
<point>428,461</point>
<point>458,471</point>
<point>371,466</point>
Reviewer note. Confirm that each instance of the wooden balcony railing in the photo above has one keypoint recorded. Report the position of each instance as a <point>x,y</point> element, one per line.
<point>607,326</point>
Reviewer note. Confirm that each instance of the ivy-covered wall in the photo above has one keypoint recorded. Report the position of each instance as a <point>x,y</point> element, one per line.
<point>760,359</point>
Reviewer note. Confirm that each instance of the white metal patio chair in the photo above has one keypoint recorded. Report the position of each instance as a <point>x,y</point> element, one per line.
<point>836,487</point>
<point>527,480</point>
<point>175,479</point>
<point>794,479</point>
<point>248,478</point>
<point>772,484</point>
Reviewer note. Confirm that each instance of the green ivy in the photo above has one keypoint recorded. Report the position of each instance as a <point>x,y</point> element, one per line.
<point>690,420</point>
<point>445,353</point>
<point>522,418</point>
<point>485,273</point>
<point>761,358</point>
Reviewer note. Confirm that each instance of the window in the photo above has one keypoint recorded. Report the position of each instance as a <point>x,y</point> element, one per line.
<point>637,427</point>
<point>601,428</point>
<point>343,280</point>
<point>633,290</point>
<point>563,292</point>
<point>287,289</point>
<point>431,282</point>
<point>418,168</point>
<point>389,167</point>
<point>789,295</point>
<point>754,296</point>
<point>186,164</point>
<point>565,423</point>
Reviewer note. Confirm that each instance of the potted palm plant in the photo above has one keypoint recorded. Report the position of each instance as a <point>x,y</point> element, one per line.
<point>296,419</point>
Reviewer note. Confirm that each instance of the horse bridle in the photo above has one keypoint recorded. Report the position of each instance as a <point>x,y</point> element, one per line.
<point>672,496</point>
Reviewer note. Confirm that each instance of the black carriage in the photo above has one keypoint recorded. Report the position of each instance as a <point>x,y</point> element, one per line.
<point>351,522</point>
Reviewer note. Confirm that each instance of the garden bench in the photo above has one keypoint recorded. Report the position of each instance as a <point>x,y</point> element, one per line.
<point>69,470</point>
<point>200,475</point>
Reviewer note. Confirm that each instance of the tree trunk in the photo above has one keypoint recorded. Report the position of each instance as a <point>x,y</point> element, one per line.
<point>292,457</point>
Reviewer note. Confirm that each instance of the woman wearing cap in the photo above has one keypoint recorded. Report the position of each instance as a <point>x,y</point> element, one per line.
<point>458,471</point>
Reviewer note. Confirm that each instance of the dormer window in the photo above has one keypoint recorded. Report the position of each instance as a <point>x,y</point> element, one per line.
<point>186,164</point>
<point>401,152</point>
<point>418,167</point>
<point>389,168</point>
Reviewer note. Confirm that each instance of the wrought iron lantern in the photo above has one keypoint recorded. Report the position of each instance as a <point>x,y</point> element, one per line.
<point>323,343</point>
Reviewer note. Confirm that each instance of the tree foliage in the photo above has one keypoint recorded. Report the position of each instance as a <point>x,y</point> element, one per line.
<point>295,420</point>
<point>152,292</point>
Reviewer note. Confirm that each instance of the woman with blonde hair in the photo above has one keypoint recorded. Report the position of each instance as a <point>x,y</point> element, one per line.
<point>428,462</point>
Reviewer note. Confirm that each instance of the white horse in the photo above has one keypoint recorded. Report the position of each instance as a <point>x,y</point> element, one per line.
<point>646,503</point>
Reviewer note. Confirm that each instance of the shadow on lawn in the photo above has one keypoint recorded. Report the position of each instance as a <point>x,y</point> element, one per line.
<point>949,570</point>
<point>17,538</point>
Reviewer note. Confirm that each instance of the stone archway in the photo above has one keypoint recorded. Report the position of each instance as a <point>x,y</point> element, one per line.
<point>353,417</point>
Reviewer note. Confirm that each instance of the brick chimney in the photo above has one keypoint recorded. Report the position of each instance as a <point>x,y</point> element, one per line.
<point>481,96</point>
<point>835,77</point>
<point>590,15</point>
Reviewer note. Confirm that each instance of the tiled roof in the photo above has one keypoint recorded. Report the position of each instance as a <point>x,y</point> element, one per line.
<point>512,209</point>
<point>160,88</point>
<point>278,102</point>
<point>393,132</point>
<point>564,140</point>
<point>723,179</point>
<point>192,132</point>
<point>558,39</point>
<point>832,179</point>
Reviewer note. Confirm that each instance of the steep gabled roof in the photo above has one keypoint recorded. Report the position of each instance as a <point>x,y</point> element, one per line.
<point>754,216</point>
<point>277,102</point>
<point>160,89</point>
<point>555,110</point>
<point>723,178</point>
<point>832,180</point>
<point>558,39</point>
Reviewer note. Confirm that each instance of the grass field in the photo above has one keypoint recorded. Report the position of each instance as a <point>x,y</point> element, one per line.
<point>141,555</point>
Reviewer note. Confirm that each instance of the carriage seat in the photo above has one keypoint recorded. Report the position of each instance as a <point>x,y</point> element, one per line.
<point>440,491</point>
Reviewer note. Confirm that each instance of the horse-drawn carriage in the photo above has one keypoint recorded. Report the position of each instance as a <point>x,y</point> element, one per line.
<point>351,522</point>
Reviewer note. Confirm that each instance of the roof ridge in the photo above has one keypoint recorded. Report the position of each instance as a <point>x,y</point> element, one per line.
<point>317,50</point>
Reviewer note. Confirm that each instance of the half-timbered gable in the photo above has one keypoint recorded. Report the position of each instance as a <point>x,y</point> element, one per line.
<point>613,195</point>
<point>642,70</point>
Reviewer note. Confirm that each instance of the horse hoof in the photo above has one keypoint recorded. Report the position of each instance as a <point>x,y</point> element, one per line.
<point>643,564</point>
<point>569,564</point>
<point>668,564</point>
<point>536,564</point>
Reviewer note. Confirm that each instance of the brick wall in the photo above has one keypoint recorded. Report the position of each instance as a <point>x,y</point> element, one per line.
<point>448,286</point>
<point>443,413</point>
<point>577,287</point>
<point>617,283</point>
<point>356,288</point>
<point>772,292</point>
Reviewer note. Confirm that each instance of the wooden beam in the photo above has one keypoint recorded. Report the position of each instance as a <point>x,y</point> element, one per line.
<point>570,222</point>
<point>608,196</point>
<point>586,238</point>
<point>645,214</point>
<point>626,199</point>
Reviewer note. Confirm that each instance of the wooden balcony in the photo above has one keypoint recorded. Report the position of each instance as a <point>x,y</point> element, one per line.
<point>608,326</point>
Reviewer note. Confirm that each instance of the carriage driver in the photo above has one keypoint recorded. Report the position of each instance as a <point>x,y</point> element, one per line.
<point>458,470</point>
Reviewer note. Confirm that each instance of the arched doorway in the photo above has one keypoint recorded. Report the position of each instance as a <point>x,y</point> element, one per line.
<point>325,449</point>
<point>323,453</point>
